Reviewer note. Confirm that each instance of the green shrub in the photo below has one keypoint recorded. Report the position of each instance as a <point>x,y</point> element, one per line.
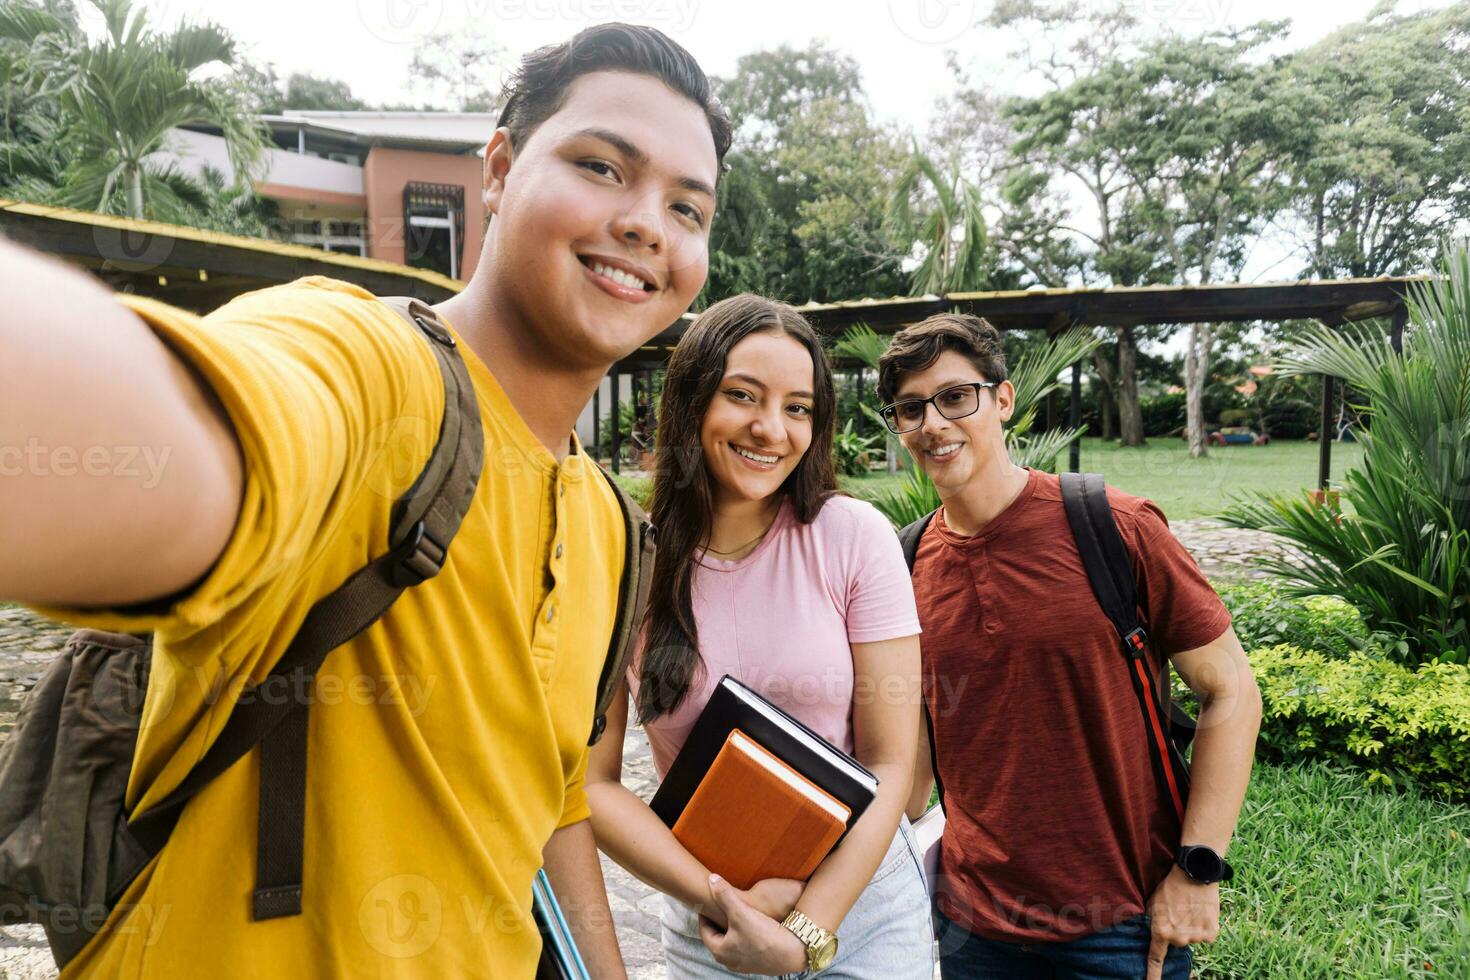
<point>852,452</point>
<point>1265,615</point>
<point>1162,415</point>
<point>1404,726</point>
<point>1235,416</point>
<point>639,488</point>
<point>1400,550</point>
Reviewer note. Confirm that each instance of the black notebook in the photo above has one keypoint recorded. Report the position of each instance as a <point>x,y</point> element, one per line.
<point>733,705</point>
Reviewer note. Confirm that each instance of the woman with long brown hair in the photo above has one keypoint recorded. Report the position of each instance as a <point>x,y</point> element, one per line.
<point>766,573</point>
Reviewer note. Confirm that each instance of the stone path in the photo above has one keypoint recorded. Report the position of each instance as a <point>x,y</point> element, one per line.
<point>27,644</point>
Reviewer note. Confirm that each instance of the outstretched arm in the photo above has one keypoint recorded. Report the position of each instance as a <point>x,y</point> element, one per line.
<point>120,476</point>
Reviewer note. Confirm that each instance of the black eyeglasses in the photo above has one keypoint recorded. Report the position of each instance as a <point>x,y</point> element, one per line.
<point>955,402</point>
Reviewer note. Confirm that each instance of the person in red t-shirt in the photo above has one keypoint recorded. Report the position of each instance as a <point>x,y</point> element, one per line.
<point>1061,856</point>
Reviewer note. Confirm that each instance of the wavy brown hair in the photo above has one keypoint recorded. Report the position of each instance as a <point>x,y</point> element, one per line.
<point>683,499</point>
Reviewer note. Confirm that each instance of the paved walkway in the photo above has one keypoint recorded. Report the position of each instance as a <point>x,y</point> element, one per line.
<point>27,643</point>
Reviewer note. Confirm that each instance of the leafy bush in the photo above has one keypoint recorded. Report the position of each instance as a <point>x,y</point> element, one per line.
<point>851,452</point>
<point>1401,552</point>
<point>1163,415</point>
<point>1235,416</point>
<point>640,488</point>
<point>1404,726</point>
<point>1265,615</point>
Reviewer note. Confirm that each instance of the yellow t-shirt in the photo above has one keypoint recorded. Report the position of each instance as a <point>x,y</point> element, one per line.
<point>447,742</point>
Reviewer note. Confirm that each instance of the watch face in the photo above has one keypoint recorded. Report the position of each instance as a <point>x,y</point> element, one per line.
<point>822,956</point>
<point>1202,864</point>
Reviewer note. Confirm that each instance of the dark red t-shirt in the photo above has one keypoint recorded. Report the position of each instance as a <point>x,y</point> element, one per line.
<point>1056,825</point>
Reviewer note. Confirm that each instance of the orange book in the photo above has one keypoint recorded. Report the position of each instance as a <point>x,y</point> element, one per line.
<point>754,817</point>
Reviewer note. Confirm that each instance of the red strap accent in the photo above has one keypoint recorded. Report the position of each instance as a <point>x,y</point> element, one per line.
<point>1159,740</point>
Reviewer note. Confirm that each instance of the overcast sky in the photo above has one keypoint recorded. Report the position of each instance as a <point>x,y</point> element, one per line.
<point>900,44</point>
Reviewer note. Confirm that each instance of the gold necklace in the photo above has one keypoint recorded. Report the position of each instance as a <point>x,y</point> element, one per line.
<point>736,551</point>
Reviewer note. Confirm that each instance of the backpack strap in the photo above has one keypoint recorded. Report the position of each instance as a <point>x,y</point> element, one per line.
<point>633,589</point>
<point>909,538</point>
<point>1105,557</point>
<point>426,520</point>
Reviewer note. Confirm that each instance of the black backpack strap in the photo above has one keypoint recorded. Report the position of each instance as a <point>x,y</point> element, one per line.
<point>909,538</point>
<point>426,520</point>
<point>1105,557</point>
<point>633,588</point>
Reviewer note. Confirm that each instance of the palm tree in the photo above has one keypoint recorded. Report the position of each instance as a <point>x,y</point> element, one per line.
<point>118,97</point>
<point>950,231</point>
<point>1400,552</point>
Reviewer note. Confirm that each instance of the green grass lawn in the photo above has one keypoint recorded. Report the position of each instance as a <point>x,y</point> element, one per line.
<point>1163,472</point>
<point>1336,879</point>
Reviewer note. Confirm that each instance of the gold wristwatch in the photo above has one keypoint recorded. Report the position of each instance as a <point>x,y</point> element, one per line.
<point>821,945</point>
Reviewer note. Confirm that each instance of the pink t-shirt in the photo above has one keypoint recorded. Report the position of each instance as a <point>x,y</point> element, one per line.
<point>783,618</point>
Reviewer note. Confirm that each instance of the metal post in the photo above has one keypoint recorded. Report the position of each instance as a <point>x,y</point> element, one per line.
<point>1074,419</point>
<point>857,401</point>
<point>617,377</point>
<point>1325,432</point>
<point>1400,319</point>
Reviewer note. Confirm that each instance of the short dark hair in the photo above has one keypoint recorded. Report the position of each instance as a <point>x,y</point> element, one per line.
<point>538,87</point>
<point>916,348</point>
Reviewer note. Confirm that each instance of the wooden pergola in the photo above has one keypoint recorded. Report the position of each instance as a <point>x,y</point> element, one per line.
<point>1332,302</point>
<point>199,270</point>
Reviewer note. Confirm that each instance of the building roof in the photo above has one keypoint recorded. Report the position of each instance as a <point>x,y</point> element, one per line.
<point>197,269</point>
<point>1332,301</point>
<point>465,131</point>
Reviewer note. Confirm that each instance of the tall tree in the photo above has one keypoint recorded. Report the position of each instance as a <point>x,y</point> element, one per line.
<point>460,69</point>
<point>801,210</point>
<point>948,225</point>
<point>118,97</point>
<point>1070,206</point>
<point>1202,143</point>
<point>1380,158</point>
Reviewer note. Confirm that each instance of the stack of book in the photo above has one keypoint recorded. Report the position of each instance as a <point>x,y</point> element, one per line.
<point>755,794</point>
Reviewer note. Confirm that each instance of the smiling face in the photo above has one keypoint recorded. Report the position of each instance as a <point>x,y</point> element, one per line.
<point>952,451</point>
<point>601,225</point>
<point>758,425</point>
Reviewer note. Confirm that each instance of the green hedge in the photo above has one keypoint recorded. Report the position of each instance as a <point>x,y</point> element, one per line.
<point>1263,616</point>
<point>1402,726</point>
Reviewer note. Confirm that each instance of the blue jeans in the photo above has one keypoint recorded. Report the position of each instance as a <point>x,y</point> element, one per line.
<point>887,935</point>
<point>1117,953</point>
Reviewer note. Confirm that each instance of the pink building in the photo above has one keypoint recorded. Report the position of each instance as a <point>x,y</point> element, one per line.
<point>397,186</point>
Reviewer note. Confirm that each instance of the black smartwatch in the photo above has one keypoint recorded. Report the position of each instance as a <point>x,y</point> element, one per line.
<point>1203,864</point>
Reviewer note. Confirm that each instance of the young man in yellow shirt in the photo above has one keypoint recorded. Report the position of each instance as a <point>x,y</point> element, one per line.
<point>449,742</point>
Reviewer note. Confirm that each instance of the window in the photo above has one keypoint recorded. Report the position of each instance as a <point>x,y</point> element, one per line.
<point>433,223</point>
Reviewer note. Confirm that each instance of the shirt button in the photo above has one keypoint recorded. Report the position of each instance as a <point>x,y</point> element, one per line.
<point>550,612</point>
<point>562,490</point>
<point>558,551</point>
